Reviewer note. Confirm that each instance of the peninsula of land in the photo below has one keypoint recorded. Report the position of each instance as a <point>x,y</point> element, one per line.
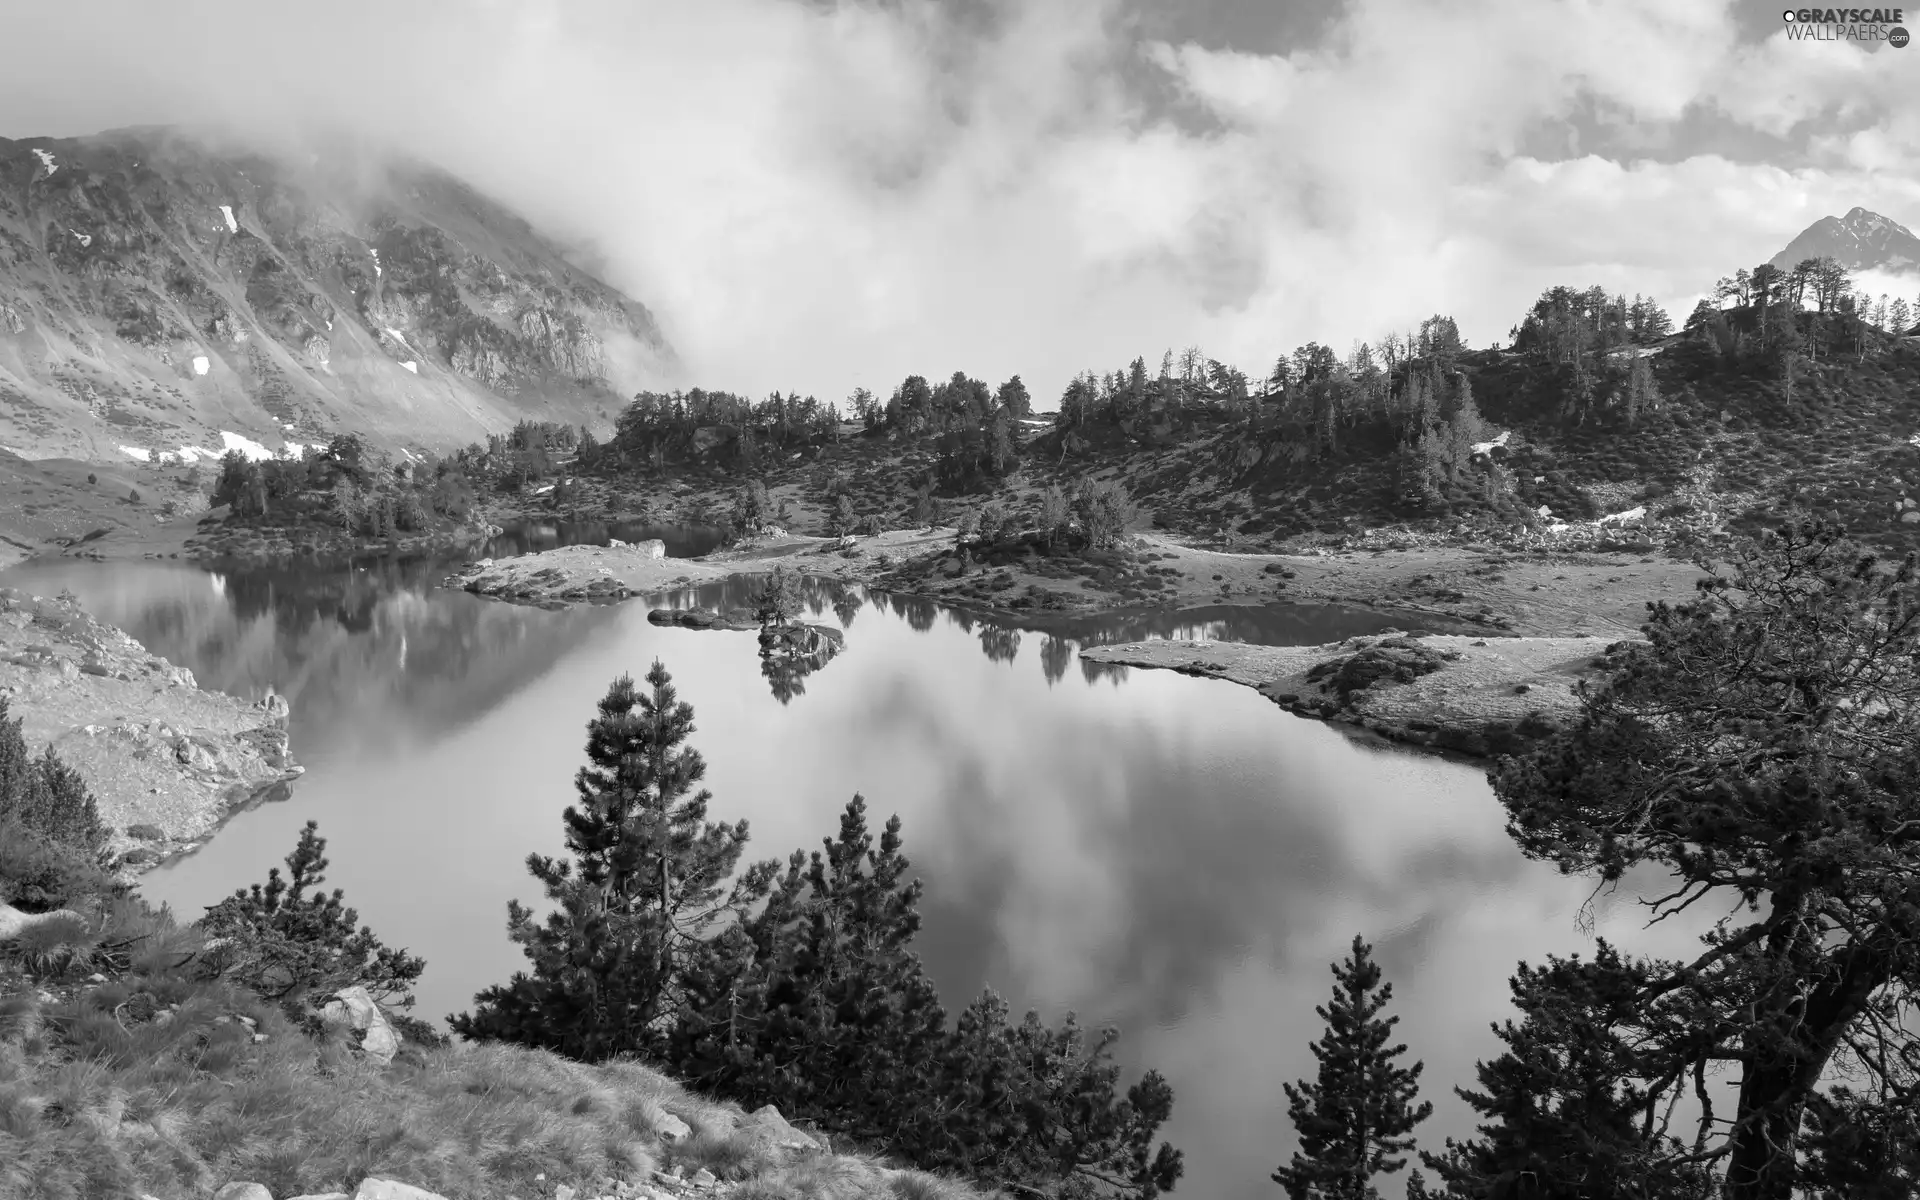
<point>166,760</point>
<point>1547,617</point>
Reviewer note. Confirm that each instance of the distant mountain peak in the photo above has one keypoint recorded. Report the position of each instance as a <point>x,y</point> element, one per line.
<point>1863,240</point>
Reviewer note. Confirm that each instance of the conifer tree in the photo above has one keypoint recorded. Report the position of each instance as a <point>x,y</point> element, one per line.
<point>1358,1115</point>
<point>777,602</point>
<point>1759,745</point>
<point>1564,1116</point>
<point>822,1007</point>
<point>818,1005</point>
<point>640,900</point>
<point>283,941</point>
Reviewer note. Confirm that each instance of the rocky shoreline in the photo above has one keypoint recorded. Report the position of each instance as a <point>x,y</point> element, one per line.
<point>1476,697</point>
<point>1473,697</point>
<point>571,575</point>
<point>167,762</point>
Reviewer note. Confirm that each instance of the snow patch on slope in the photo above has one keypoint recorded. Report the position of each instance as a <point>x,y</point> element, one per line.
<point>85,239</point>
<point>226,211</point>
<point>411,366</point>
<point>1488,447</point>
<point>139,452</point>
<point>376,262</point>
<point>46,160</point>
<point>202,364</point>
<point>245,445</point>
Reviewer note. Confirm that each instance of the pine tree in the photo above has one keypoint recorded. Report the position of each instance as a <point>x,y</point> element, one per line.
<point>841,521</point>
<point>283,941</point>
<point>1565,1114</point>
<point>828,1012</point>
<point>639,902</point>
<point>1356,1118</point>
<point>1759,746</point>
<point>43,795</point>
<point>777,601</point>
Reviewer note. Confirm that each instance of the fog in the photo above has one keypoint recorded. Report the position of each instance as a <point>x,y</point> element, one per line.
<point>822,196</point>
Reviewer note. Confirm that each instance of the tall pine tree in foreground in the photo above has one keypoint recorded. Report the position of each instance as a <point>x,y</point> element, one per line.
<point>639,902</point>
<point>1356,1118</point>
<point>1758,748</point>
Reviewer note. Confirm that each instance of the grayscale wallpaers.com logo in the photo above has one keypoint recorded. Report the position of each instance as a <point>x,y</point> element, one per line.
<point>1846,25</point>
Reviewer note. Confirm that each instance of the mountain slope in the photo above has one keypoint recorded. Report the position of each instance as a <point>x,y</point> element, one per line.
<point>160,291</point>
<point>1859,241</point>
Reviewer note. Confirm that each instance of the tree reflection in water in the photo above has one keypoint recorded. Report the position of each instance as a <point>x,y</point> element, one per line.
<point>790,649</point>
<point>787,658</point>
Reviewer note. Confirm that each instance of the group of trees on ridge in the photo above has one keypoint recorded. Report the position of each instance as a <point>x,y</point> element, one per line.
<point>1759,747</point>
<point>1406,400</point>
<point>1580,359</point>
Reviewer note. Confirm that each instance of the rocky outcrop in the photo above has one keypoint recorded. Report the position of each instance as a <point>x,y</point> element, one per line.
<point>165,760</point>
<point>651,548</point>
<point>581,575</point>
<point>820,642</point>
<point>702,618</point>
<point>13,922</point>
<point>355,1009</point>
<point>172,284</point>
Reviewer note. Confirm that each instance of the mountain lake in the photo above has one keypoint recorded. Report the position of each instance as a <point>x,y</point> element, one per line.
<point>1172,855</point>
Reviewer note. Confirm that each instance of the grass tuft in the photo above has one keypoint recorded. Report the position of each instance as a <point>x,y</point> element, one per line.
<point>729,1155</point>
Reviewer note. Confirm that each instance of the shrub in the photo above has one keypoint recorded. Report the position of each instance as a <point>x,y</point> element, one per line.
<point>38,874</point>
<point>51,837</point>
<point>285,944</point>
<point>133,495</point>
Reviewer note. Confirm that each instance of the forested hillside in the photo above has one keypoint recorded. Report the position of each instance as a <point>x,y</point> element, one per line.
<point>1791,389</point>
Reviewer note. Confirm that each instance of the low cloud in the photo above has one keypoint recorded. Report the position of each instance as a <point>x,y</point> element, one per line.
<point>828,196</point>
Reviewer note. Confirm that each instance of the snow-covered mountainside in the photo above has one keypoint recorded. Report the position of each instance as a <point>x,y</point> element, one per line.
<point>1861,241</point>
<point>162,293</point>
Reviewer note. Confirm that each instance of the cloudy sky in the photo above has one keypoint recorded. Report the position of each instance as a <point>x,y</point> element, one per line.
<point>825,194</point>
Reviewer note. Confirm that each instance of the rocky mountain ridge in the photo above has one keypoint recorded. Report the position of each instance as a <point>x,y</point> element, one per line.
<point>163,293</point>
<point>1860,241</point>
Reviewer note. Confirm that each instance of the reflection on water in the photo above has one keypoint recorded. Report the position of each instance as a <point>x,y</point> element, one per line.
<point>532,534</point>
<point>1176,856</point>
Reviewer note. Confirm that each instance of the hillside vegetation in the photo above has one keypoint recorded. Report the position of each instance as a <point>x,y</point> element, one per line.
<point>1790,393</point>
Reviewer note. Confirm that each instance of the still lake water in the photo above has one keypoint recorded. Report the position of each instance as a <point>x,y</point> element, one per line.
<point>1176,856</point>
